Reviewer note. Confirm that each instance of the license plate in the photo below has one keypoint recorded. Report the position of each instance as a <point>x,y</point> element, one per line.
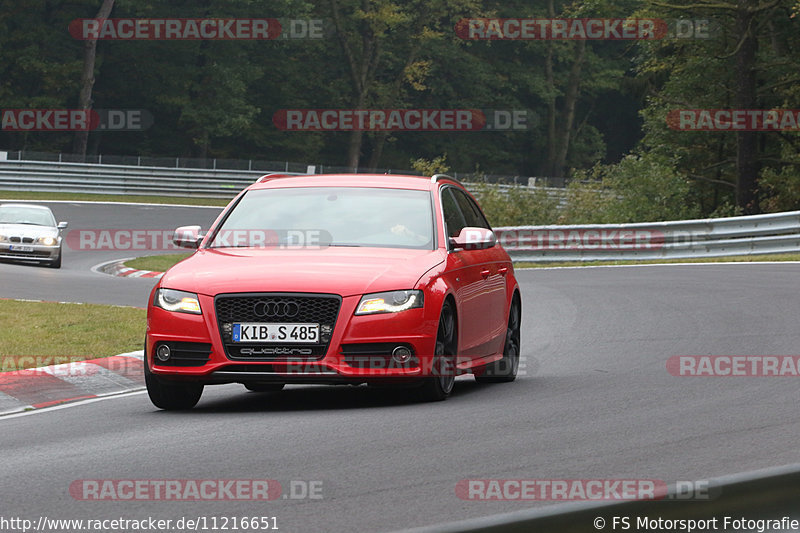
<point>21,248</point>
<point>283,333</point>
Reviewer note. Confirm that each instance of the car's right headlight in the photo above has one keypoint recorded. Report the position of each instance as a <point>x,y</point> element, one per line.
<point>178,301</point>
<point>3,238</point>
<point>389,302</point>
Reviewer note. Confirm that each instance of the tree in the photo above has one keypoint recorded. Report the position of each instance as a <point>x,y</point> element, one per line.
<point>742,67</point>
<point>87,78</point>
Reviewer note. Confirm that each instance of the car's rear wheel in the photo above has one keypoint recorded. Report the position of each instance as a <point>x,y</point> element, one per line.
<point>171,395</point>
<point>505,370</point>
<point>441,383</point>
<point>264,387</point>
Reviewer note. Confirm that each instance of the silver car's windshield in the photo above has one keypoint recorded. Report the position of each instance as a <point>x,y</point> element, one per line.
<point>26,215</point>
<point>333,216</point>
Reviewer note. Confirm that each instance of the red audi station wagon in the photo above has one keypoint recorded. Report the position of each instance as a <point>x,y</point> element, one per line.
<point>336,279</point>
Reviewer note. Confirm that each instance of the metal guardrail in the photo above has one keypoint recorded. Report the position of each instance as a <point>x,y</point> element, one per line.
<point>123,179</point>
<point>769,494</point>
<point>714,237</point>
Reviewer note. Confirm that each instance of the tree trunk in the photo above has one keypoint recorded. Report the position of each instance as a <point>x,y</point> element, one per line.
<point>81,139</point>
<point>549,166</point>
<point>564,137</point>
<point>747,164</point>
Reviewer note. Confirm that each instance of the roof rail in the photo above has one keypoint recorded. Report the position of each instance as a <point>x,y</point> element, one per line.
<point>437,177</point>
<point>274,175</point>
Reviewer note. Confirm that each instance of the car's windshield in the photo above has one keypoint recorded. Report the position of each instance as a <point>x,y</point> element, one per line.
<point>26,215</point>
<point>330,216</point>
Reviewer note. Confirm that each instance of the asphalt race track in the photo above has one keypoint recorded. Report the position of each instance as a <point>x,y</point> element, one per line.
<point>595,401</point>
<point>75,282</point>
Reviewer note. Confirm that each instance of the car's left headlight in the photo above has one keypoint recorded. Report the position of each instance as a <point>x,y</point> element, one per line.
<point>179,301</point>
<point>3,238</point>
<point>47,241</point>
<point>389,302</point>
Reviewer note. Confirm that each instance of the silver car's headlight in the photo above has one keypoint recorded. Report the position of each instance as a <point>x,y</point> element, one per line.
<point>389,302</point>
<point>3,238</point>
<point>178,301</point>
<point>47,241</point>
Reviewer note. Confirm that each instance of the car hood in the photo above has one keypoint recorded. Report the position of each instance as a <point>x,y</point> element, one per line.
<point>27,230</point>
<point>346,271</point>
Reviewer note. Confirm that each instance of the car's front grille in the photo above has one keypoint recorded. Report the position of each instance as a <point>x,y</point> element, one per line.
<point>281,308</point>
<point>25,240</point>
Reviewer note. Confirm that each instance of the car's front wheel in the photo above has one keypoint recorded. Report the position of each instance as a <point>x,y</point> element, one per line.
<point>441,383</point>
<point>505,370</point>
<point>171,395</point>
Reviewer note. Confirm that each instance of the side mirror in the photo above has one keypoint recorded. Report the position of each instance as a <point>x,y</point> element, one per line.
<point>63,225</point>
<point>187,237</point>
<point>472,238</point>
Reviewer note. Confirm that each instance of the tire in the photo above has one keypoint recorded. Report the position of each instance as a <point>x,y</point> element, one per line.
<point>505,370</point>
<point>171,396</point>
<point>439,386</point>
<point>264,387</point>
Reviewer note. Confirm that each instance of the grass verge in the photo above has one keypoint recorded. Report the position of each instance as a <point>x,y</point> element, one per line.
<point>725,259</point>
<point>156,263</point>
<point>44,333</point>
<point>86,197</point>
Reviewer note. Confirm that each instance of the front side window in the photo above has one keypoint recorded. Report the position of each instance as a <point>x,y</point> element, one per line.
<point>472,214</point>
<point>453,218</point>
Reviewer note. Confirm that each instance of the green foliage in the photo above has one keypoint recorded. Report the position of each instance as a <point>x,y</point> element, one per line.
<point>517,206</point>
<point>217,98</point>
<point>638,189</point>
<point>428,167</point>
<point>781,189</point>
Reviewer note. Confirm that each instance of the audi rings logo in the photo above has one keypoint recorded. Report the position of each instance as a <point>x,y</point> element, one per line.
<point>271,308</point>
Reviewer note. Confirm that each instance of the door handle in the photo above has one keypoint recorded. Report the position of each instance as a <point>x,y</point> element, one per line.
<point>485,273</point>
<point>502,271</point>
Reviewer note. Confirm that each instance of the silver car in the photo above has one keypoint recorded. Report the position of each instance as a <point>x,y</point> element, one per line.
<point>29,232</point>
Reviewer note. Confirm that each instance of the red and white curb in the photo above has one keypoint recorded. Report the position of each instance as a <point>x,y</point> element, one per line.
<point>35,388</point>
<point>117,268</point>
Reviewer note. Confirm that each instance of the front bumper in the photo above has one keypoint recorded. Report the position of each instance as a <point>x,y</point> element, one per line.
<point>359,350</point>
<point>33,252</point>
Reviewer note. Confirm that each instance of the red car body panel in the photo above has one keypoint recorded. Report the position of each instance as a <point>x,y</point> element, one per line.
<point>481,284</point>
